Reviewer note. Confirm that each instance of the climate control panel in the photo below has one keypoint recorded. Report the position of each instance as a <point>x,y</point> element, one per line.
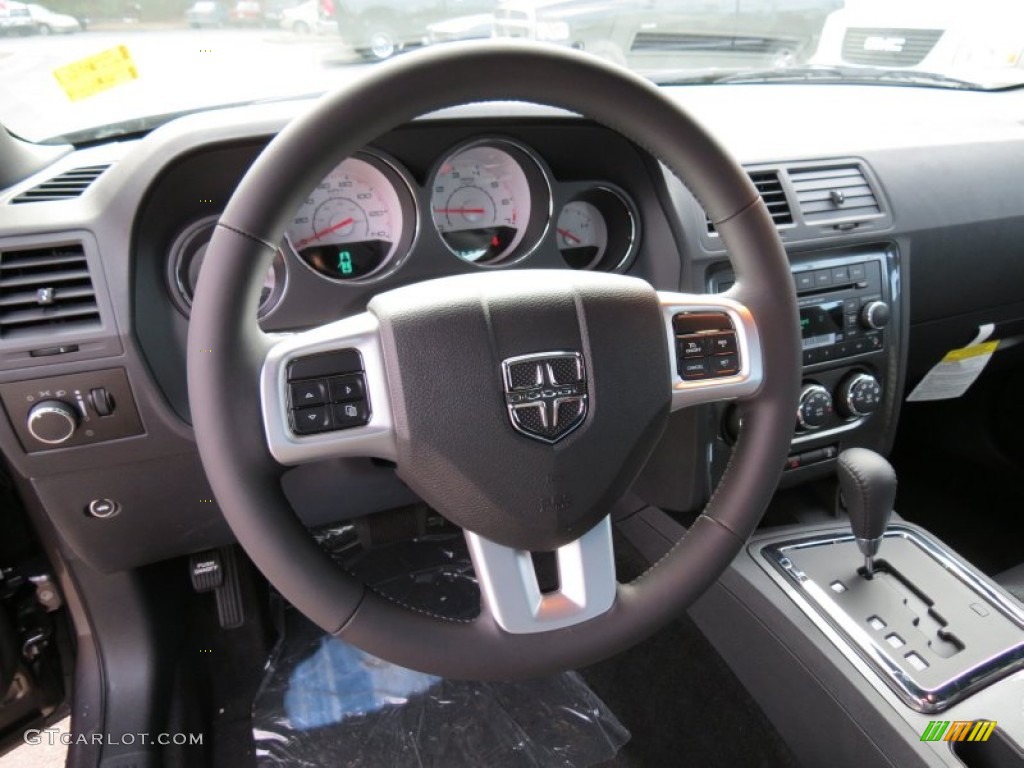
<point>856,397</point>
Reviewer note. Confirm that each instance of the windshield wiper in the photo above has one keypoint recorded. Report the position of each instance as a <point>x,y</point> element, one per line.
<point>827,74</point>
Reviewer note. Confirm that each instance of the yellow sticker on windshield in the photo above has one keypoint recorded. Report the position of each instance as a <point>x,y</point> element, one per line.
<point>94,74</point>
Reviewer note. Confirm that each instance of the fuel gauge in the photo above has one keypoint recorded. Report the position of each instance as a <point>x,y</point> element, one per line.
<point>597,230</point>
<point>582,234</point>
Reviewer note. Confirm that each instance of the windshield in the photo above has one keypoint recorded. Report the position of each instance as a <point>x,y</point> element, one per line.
<point>89,69</point>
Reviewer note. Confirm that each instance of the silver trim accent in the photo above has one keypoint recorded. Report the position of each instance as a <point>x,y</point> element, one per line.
<point>377,438</point>
<point>546,375</point>
<point>66,412</point>
<point>746,382</point>
<point>818,434</point>
<point>508,582</point>
<point>855,643</point>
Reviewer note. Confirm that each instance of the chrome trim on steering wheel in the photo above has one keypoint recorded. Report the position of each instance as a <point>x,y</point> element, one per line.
<point>376,438</point>
<point>508,582</point>
<point>745,382</point>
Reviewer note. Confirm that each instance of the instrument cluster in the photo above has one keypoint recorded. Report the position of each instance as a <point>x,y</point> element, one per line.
<point>491,202</point>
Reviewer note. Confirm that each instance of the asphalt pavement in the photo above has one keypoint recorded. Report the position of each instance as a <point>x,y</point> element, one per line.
<point>178,69</point>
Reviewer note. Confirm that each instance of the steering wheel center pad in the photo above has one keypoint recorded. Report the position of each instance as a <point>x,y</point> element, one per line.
<point>444,344</point>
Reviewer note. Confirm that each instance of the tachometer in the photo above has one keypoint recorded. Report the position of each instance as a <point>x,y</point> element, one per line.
<point>356,222</point>
<point>489,202</point>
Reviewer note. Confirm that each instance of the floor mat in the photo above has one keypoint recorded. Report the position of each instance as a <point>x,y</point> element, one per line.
<point>326,703</point>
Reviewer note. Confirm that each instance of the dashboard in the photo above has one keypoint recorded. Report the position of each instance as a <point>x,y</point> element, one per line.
<point>900,209</point>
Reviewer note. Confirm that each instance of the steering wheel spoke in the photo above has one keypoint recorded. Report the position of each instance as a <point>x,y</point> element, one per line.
<point>324,394</point>
<point>714,348</point>
<point>510,588</point>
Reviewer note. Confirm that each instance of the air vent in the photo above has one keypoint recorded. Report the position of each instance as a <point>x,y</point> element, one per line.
<point>66,186</point>
<point>774,196</point>
<point>832,194</point>
<point>46,290</point>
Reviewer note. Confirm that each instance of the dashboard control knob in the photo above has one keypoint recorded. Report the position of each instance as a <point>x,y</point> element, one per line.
<point>875,315</point>
<point>815,407</point>
<point>52,421</point>
<point>859,395</point>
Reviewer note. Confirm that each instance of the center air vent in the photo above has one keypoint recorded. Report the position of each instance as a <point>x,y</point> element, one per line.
<point>46,290</point>
<point>774,196</point>
<point>66,186</point>
<point>838,193</point>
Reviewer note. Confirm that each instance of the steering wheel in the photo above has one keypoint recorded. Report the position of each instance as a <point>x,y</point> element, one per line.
<point>519,404</point>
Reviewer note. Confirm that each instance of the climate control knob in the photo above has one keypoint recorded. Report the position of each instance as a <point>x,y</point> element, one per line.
<point>815,407</point>
<point>875,315</point>
<point>52,421</point>
<point>859,395</point>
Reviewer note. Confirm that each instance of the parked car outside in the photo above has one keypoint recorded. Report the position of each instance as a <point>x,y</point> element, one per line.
<point>47,22</point>
<point>935,36</point>
<point>727,33</point>
<point>206,13</point>
<point>15,19</point>
<point>246,13</point>
<point>310,17</point>
<point>476,26</point>
<point>378,29</point>
<point>273,9</point>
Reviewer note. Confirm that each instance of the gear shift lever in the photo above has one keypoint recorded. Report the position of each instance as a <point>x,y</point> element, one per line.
<point>867,488</point>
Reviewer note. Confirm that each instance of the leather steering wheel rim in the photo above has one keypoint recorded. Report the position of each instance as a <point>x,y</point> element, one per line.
<point>227,351</point>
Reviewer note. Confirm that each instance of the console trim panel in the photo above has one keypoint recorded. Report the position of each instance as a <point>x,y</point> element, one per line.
<point>856,643</point>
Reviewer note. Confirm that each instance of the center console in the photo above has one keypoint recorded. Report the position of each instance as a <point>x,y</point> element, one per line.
<point>850,324</point>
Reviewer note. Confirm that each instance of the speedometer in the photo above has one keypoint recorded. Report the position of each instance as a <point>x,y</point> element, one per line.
<point>356,222</point>
<point>489,202</point>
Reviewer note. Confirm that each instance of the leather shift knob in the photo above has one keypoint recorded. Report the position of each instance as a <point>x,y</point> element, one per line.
<point>867,483</point>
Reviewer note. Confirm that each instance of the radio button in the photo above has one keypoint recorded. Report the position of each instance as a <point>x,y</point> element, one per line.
<point>874,340</point>
<point>851,306</point>
<point>840,275</point>
<point>858,272</point>
<point>822,278</point>
<point>804,281</point>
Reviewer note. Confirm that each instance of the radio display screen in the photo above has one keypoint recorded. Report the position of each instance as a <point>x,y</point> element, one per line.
<point>820,324</point>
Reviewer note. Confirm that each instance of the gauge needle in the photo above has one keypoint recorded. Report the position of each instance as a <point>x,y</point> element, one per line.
<point>317,235</point>
<point>458,210</point>
<point>569,236</point>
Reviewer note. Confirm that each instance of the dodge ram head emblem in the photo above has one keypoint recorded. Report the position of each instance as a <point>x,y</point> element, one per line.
<point>546,394</point>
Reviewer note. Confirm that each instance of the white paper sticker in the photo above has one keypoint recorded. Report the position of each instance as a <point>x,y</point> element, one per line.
<point>957,370</point>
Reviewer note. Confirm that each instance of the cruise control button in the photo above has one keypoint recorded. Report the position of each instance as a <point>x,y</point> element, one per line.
<point>724,365</point>
<point>694,369</point>
<point>310,420</point>
<point>346,388</point>
<point>306,393</point>
<point>691,346</point>
<point>354,414</point>
<point>723,344</point>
